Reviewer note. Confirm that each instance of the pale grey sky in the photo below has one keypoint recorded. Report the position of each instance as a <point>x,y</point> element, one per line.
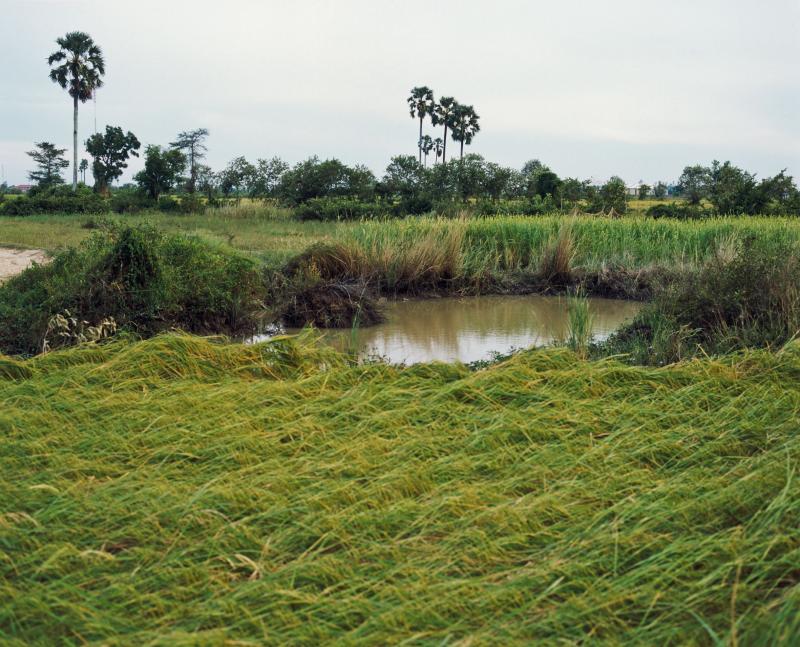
<point>638,88</point>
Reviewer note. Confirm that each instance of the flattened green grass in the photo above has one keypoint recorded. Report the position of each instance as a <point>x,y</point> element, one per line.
<point>179,491</point>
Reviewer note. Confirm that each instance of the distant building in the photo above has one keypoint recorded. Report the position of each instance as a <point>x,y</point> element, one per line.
<point>24,188</point>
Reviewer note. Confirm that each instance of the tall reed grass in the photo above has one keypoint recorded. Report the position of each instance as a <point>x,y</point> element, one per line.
<point>473,253</point>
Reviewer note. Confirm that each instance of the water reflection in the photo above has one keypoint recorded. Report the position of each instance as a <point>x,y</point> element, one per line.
<point>471,329</point>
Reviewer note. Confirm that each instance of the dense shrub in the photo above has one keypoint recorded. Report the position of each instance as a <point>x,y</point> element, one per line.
<point>742,298</point>
<point>339,209</point>
<point>676,210</point>
<point>168,204</point>
<point>145,280</point>
<point>127,201</point>
<point>55,203</point>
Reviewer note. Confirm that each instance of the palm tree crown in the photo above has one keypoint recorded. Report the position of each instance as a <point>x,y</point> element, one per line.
<point>464,125</point>
<point>81,65</point>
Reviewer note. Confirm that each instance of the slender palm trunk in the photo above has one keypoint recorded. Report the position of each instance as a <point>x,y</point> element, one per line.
<point>75,144</point>
<point>462,149</point>
<point>444,146</point>
<point>419,141</point>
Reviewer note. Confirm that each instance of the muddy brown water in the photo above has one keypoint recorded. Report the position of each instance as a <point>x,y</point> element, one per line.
<point>473,328</point>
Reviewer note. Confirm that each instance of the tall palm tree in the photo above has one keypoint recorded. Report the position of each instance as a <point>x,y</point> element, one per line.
<point>421,104</point>
<point>437,148</point>
<point>79,71</point>
<point>443,114</point>
<point>426,146</point>
<point>464,125</point>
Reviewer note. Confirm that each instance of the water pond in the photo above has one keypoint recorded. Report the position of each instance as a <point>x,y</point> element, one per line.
<point>473,328</point>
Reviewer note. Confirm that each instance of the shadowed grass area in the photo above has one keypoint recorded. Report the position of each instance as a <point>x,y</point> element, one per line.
<point>178,490</point>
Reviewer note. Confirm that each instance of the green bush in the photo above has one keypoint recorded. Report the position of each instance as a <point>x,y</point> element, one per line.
<point>339,209</point>
<point>145,280</point>
<point>191,203</point>
<point>130,201</point>
<point>168,204</point>
<point>675,210</point>
<point>745,298</point>
<point>55,203</point>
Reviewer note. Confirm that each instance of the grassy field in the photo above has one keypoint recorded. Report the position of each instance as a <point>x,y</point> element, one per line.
<point>264,232</point>
<point>177,491</point>
<point>475,246</point>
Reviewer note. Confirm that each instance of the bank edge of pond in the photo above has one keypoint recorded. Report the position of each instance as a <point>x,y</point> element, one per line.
<point>341,301</point>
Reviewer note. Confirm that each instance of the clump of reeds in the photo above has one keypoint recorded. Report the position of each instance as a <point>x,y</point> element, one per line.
<point>580,323</point>
<point>555,264</point>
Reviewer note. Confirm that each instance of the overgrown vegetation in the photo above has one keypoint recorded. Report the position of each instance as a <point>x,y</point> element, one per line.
<point>145,280</point>
<point>543,499</point>
<point>747,295</point>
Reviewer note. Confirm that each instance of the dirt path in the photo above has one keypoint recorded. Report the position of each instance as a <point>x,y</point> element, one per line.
<point>13,261</point>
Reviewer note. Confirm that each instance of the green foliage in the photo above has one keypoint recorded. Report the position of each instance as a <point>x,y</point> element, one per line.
<point>80,65</point>
<point>335,209</point>
<point>678,210</point>
<point>613,195</point>
<point>110,152</point>
<point>325,179</point>
<point>146,281</point>
<point>464,125</point>
<point>660,190</point>
<point>693,183</point>
<point>644,191</point>
<point>192,144</point>
<point>49,162</point>
<point>162,170</point>
<point>130,201</point>
<point>746,295</point>
<point>57,199</point>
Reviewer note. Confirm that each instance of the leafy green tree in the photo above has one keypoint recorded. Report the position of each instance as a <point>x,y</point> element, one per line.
<point>79,71</point>
<point>443,115</point>
<point>404,178</point>
<point>572,190</point>
<point>192,144</point>
<point>496,180</point>
<point>644,191</point>
<point>83,167</point>
<point>320,179</point>
<point>267,176</point>
<point>238,177</point>
<point>694,183</point>
<point>421,104</point>
<point>162,170</point>
<point>612,195</point>
<point>530,173</point>
<point>547,183</point>
<point>49,162</point>
<point>207,181</point>
<point>464,125</point>
<point>470,176</point>
<point>660,190</point>
<point>110,152</point>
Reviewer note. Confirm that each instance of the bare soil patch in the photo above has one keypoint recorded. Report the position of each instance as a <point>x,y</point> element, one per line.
<point>14,261</point>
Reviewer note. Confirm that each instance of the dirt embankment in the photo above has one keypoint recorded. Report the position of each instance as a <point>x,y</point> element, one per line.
<point>13,261</point>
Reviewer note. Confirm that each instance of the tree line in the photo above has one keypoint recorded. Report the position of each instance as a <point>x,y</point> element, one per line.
<point>409,185</point>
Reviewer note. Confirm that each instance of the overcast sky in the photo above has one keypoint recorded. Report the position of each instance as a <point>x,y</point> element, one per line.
<point>638,88</point>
